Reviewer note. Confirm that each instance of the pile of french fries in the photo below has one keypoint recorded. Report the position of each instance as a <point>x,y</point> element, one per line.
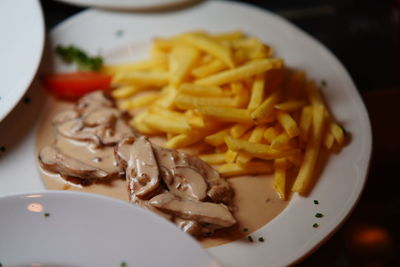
<point>228,92</point>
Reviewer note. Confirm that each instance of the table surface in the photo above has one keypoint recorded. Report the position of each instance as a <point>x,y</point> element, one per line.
<point>365,36</point>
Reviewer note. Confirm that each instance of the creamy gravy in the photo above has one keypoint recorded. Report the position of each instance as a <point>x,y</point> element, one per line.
<point>255,200</point>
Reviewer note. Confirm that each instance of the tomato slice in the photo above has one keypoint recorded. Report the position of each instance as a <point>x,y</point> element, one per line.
<point>72,86</point>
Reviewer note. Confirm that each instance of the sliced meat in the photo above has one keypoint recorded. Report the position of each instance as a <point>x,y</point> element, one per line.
<point>141,172</point>
<point>55,161</point>
<point>99,135</point>
<point>98,157</point>
<point>204,212</point>
<point>93,101</point>
<point>217,189</point>
<point>101,116</point>
<point>65,115</point>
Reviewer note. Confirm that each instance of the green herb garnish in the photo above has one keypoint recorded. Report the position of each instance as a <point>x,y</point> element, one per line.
<point>315,225</point>
<point>250,239</point>
<point>319,215</point>
<point>245,229</point>
<point>316,202</point>
<point>261,239</point>
<point>46,214</point>
<point>323,83</point>
<point>72,54</point>
<point>123,264</point>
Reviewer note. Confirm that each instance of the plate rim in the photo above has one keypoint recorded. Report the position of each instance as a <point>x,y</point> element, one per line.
<point>35,67</point>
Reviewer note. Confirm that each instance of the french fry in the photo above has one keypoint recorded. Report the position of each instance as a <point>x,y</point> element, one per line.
<point>337,132</point>
<point>194,121</point>
<point>305,175</point>
<point>166,125</point>
<point>230,156</point>
<point>281,141</point>
<point>139,101</point>
<point>234,169</point>
<point>229,36</point>
<point>192,137</point>
<point>270,134</point>
<point>209,45</point>
<point>124,91</point>
<point>288,123</point>
<point>210,68</point>
<point>257,92</point>
<point>138,123</point>
<point>226,114</point>
<point>191,102</point>
<point>280,177</point>
<point>200,90</point>
<point>290,106</point>
<point>305,122</point>
<point>261,151</point>
<point>256,136</point>
<point>242,72</point>
<point>141,78</point>
<point>218,138</point>
<point>263,112</point>
<point>214,158</point>
<point>180,61</point>
<point>242,95</point>
<point>239,129</point>
<point>137,66</point>
<point>329,140</point>
<point>167,98</point>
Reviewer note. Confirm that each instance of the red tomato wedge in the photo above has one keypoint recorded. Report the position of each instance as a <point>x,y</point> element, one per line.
<point>71,86</point>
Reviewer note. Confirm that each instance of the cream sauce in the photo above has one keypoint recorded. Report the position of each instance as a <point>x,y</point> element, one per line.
<point>255,200</point>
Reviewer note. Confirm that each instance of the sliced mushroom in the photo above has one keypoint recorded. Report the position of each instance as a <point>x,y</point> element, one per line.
<point>64,116</point>
<point>55,161</point>
<point>218,188</point>
<point>101,116</point>
<point>188,182</point>
<point>204,212</point>
<point>142,172</point>
<point>91,102</point>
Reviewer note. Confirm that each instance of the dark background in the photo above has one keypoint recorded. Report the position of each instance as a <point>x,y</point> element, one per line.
<point>365,36</point>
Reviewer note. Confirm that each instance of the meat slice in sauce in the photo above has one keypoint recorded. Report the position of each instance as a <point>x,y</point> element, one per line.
<point>204,212</point>
<point>142,173</point>
<point>52,159</point>
<point>86,134</point>
<point>184,192</point>
<point>93,143</point>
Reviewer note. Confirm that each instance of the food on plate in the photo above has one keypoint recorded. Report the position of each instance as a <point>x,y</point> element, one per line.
<point>228,94</point>
<point>73,54</point>
<point>72,86</point>
<point>94,144</point>
<point>200,97</point>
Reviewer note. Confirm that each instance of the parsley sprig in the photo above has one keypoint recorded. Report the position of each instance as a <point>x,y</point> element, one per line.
<point>72,54</point>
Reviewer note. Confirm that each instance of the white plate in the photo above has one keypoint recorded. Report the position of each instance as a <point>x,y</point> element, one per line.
<point>21,45</point>
<point>128,4</point>
<point>77,229</point>
<point>291,235</point>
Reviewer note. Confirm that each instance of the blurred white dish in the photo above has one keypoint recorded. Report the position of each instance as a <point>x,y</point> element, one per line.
<point>290,236</point>
<point>61,228</point>
<point>21,45</point>
<point>128,4</point>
